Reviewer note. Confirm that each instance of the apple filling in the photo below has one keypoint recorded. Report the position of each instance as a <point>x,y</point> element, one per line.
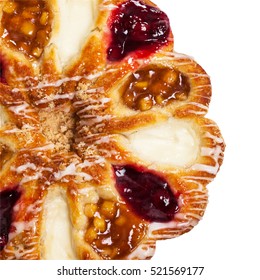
<point>27,26</point>
<point>154,85</point>
<point>113,230</point>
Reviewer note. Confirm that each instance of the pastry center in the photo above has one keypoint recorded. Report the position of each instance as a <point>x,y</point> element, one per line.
<point>58,127</point>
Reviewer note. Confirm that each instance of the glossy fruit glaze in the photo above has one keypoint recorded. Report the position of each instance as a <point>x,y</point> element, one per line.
<point>113,230</point>
<point>146,193</point>
<point>8,198</point>
<point>2,78</point>
<point>136,26</point>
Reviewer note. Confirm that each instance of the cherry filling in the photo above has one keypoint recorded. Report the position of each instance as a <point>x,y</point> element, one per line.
<point>2,78</point>
<point>148,194</point>
<point>136,26</point>
<point>8,198</point>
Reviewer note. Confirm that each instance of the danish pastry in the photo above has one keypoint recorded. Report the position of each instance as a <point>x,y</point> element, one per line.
<point>104,144</point>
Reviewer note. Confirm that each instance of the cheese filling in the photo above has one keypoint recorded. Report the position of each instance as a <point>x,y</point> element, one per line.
<point>76,19</point>
<point>57,229</point>
<point>172,143</point>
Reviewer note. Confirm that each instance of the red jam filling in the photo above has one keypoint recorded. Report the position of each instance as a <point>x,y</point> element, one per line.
<point>137,26</point>
<point>2,78</point>
<point>8,198</point>
<point>147,194</point>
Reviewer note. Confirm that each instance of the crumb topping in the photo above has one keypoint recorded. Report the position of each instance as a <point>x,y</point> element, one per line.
<point>58,126</point>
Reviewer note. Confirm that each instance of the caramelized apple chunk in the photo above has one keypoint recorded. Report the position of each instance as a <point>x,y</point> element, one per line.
<point>27,26</point>
<point>113,231</point>
<point>154,85</point>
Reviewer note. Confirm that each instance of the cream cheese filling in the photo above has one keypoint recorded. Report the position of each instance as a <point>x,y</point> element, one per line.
<point>57,229</point>
<point>75,22</point>
<point>173,142</point>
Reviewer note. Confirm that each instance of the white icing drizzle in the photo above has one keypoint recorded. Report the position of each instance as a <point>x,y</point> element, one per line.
<point>21,109</point>
<point>194,178</point>
<point>200,106</point>
<point>71,170</point>
<point>20,253</point>
<point>35,207</point>
<point>13,130</point>
<point>93,104</point>
<point>19,227</point>
<point>106,5</point>
<point>47,147</point>
<point>38,174</point>
<point>89,120</point>
<point>16,130</point>
<point>143,251</point>
<point>215,155</point>
<point>54,97</point>
<point>60,82</point>
<point>28,165</point>
<point>216,139</point>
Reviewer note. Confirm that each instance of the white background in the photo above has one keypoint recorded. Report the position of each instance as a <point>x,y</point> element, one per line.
<point>222,36</point>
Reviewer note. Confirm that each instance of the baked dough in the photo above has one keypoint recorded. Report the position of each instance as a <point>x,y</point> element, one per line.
<point>80,151</point>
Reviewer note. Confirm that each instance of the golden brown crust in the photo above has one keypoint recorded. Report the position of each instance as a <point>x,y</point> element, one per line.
<point>97,43</point>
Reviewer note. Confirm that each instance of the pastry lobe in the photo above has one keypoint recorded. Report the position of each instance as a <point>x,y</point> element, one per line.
<point>171,84</point>
<point>160,172</point>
